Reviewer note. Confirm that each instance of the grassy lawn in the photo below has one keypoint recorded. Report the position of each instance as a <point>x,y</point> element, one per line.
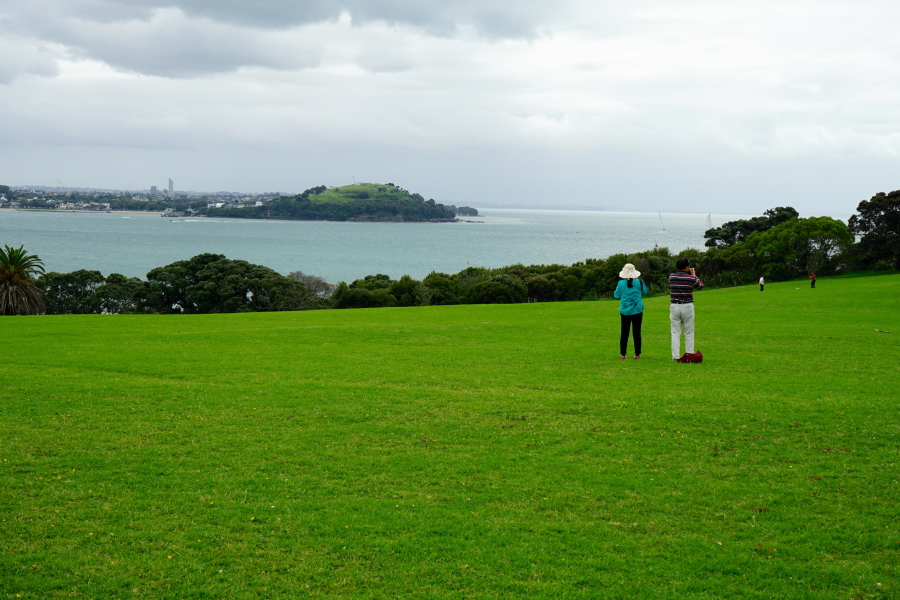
<point>465,451</point>
<point>337,194</point>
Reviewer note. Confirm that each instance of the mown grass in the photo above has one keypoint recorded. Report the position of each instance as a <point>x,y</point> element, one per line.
<point>465,451</point>
<point>339,194</point>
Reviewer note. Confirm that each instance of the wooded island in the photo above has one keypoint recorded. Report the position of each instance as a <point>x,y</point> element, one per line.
<point>359,202</point>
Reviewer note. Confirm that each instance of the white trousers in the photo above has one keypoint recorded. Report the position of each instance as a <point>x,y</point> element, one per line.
<point>682,315</point>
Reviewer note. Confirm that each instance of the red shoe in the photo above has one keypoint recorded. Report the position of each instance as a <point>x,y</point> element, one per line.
<point>622,357</point>
<point>638,357</point>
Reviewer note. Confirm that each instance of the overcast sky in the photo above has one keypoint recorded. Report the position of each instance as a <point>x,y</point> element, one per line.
<point>695,105</point>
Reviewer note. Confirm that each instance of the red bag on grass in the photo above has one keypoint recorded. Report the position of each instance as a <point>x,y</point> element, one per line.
<point>696,357</point>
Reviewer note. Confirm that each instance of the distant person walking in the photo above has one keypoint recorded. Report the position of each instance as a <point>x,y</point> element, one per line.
<point>762,284</point>
<point>681,313</point>
<point>629,292</point>
<point>813,283</point>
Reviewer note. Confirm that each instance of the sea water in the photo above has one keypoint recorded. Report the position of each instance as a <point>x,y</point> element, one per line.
<point>133,244</point>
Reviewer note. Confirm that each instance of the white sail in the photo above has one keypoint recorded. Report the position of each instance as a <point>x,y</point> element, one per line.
<point>709,221</point>
<point>663,225</point>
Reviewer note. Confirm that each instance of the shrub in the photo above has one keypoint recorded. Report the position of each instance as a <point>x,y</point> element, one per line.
<point>499,290</point>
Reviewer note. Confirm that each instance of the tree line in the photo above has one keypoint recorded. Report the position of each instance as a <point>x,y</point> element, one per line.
<point>779,245</point>
<point>204,284</point>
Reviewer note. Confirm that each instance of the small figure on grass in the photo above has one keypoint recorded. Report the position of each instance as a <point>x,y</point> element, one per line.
<point>762,284</point>
<point>813,281</point>
<point>631,308</point>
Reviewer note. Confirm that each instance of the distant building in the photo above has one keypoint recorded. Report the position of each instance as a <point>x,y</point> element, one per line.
<point>153,189</point>
<point>171,186</point>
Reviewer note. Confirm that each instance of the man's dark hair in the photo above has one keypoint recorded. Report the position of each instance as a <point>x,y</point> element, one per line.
<point>683,263</point>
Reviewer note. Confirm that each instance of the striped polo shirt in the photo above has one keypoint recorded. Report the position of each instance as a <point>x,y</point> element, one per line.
<point>682,286</point>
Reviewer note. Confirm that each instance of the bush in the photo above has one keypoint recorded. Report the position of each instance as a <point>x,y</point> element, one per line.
<point>439,289</point>
<point>541,289</point>
<point>499,290</point>
<point>347,297</point>
<point>405,291</point>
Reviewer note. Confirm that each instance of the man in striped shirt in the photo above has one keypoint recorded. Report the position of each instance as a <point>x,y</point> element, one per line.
<point>681,313</point>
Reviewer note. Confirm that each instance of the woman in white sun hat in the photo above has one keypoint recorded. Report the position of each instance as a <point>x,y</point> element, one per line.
<point>631,308</point>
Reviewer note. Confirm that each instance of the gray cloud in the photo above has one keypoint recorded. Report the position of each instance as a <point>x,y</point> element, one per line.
<point>390,60</point>
<point>493,18</point>
<point>170,45</point>
<point>189,38</point>
<point>23,56</point>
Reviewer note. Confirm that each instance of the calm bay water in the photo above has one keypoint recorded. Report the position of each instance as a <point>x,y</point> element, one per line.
<point>134,244</point>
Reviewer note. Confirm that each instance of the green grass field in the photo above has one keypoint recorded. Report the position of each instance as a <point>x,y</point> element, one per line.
<point>337,194</point>
<point>458,452</point>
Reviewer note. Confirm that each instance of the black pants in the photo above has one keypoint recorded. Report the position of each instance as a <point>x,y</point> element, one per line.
<point>813,284</point>
<point>760,287</point>
<point>632,322</point>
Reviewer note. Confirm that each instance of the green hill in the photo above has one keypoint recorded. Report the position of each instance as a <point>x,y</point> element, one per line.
<point>461,451</point>
<point>361,202</point>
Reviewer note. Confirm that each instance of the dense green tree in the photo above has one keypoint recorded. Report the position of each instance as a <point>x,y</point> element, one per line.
<point>72,293</point>
<point>88,293</point>
<point>167,290</point>
<point>373,282</point>
<point>609,273</point>
<point>18,293</point>
<point>121,295</point>
<point>877,222</point>
<point>469,277</point>
<point>211,283</point>
<point>442,289</point>
<point>406,291</point>
<point>734,232</point>
<point>503,289</point>
<point>542,289</point>
<point>346,297</point>
<point>226,286</point>
<point>801,245</point>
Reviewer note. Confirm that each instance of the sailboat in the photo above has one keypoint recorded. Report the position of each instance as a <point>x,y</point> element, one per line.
<point>709,221</point>
<point>661,222</point>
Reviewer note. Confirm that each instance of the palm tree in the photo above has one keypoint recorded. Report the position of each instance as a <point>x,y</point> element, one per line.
<point>18,295</point>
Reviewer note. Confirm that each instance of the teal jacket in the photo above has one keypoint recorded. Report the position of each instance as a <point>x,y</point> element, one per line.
<point>630,297</point>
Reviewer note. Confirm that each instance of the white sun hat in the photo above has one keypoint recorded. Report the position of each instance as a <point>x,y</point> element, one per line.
<point>628,272</point>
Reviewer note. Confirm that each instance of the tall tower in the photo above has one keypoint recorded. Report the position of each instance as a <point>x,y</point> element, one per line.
<point>171,186</point>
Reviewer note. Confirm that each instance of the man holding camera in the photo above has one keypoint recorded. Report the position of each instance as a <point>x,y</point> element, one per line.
<point>681,313</point>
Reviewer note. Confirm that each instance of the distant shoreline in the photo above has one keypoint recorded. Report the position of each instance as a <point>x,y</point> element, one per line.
<point>80,211</point>
<point>327,220</point>
<point>156,213</point>
<point>147,212</point>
